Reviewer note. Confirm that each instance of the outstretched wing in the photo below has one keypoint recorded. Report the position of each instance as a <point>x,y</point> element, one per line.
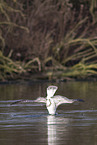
<point>51,91</point>
<point>62,100</point>
<point>38,100</point>
<point>21,101</point>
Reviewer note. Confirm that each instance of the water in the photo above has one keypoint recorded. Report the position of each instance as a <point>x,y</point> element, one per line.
<point>30,124</point>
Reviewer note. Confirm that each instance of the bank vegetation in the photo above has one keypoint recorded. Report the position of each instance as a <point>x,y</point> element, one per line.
<point>48,39</point>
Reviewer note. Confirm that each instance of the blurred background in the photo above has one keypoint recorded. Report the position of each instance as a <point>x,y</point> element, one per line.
<point>48,39</point>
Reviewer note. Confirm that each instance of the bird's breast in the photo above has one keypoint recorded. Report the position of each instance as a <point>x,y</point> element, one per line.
<point>51,106</point>
<point>48,103</point>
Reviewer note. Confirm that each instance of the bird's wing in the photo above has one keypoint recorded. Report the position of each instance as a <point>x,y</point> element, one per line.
<point>38,100</point>
<point>51,90</point>
<point>21,101</point>
<point>62,100</point>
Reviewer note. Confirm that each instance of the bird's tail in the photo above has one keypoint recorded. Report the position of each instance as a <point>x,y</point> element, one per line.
<point>51,91</point>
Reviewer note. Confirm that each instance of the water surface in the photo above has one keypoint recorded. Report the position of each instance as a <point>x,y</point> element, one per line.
<point>25,124</point>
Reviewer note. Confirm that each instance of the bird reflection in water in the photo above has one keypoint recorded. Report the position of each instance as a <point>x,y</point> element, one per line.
<point>57,129</point>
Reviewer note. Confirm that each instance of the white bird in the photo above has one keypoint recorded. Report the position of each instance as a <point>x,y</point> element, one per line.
<point>51,101</point>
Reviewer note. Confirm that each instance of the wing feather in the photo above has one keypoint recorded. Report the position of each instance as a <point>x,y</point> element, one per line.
<point>62,100</point>
<point>21,101</point>
<point>38,100</point>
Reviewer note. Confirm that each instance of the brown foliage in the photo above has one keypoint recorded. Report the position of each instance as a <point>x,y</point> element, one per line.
<point>57,32</point>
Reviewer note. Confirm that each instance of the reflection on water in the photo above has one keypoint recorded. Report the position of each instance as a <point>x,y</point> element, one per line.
<point>25,124</point>
<point>56,126</point>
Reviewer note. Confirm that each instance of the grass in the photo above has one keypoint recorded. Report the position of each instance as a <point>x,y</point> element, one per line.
<point>49,38</point>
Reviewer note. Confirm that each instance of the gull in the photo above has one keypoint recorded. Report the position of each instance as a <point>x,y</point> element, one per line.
<point>52,102</point>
